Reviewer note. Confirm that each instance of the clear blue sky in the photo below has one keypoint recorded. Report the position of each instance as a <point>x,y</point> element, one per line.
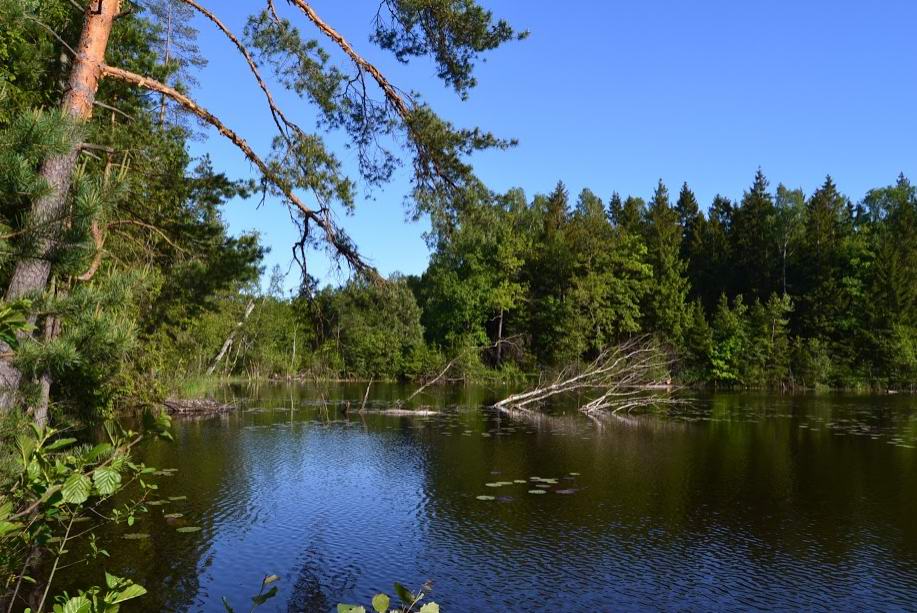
<point>614,94</point>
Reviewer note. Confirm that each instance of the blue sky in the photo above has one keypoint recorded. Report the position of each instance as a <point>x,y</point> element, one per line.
<point>614,95</point>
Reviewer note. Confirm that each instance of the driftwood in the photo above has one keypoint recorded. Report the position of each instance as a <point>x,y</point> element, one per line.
<point>620,379</point>
<point>179,406</point>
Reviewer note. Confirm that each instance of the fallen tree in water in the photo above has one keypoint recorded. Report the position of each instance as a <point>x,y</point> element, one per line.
<point>180,406</point>
<point>629,376</point>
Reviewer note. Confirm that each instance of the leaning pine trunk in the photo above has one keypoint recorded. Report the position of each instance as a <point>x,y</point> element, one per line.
<point>48,212</point>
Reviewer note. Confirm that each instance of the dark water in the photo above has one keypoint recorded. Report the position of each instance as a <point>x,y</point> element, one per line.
<point>741,502</point>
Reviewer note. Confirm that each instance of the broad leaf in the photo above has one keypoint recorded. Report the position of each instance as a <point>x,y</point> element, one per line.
<point>129,593</point>
<point>106,480</point>
<point>76,488</point>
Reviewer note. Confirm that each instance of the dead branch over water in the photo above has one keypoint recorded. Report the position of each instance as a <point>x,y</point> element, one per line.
<point>619,380</point>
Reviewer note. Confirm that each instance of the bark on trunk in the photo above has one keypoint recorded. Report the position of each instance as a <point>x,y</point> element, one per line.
<point>49,212</point>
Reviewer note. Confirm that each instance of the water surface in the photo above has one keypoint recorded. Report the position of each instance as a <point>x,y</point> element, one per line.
<point>739,502</point>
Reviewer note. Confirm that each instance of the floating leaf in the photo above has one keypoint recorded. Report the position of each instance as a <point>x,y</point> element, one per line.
<point>485,497</point>
<point>188,529</point>
<point>430,607</point>
<point>574,474</point>
<point>177,498</point>
<point>351,608</point>
<point>136,536</point>
<point>494,484</point>
<point>173,515</point>
<point>565,492</point>
<point>381,603</point>
<point>520,481</point>
<point>536,491</point>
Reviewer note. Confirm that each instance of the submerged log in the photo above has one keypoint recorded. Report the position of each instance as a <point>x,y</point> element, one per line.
<point>180,406</point>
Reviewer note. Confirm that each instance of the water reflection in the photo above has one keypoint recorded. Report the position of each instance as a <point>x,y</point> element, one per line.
<point>741,501</point>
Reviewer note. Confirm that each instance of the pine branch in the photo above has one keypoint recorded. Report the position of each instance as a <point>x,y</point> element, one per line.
<point>334,236</point>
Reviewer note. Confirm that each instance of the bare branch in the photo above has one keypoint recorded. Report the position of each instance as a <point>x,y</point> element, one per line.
<point>624,378</point>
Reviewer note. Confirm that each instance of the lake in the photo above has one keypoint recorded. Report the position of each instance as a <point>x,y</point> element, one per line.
<point>738,501</point>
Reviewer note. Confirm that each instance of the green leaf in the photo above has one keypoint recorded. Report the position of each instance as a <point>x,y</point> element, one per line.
<point>7,527</point>
<point>60,444</point>
<point>406,596</point>
<point>98,451</point>
<point>351,608</point>
<point>269,580</point>
<point>106,480</point>
<point>129,593</point>
<point>76,488</point>
<point>430,607</point>
<point>381,603</point>
<point>111,581</point>
<point>77,604</point>
<point>260,599</point>
<point>188,529</point>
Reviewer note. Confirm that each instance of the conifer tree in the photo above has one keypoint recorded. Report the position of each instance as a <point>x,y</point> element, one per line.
<point>753,243</point>
<point>666,310</point>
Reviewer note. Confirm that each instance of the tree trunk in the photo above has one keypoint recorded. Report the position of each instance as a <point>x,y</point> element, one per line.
<point>500,337</point>
<point>48,212</point>
<point>229,339</point>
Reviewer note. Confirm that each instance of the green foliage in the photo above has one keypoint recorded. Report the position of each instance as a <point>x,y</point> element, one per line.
<point>57,484</point>
<point>375,329</point>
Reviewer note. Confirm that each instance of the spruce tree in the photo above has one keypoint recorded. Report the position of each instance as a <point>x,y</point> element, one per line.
<point>753,243</point>
<point>666,310</point>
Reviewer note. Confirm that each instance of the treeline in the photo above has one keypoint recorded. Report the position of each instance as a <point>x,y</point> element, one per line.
<point>776,289</point>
